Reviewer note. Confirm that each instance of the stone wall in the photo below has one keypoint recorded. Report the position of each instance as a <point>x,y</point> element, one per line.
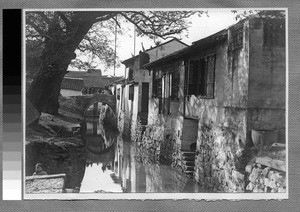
<point>158,139</point>
<point>45,184</point>
<point>265,179</point>
<point>217,160</point>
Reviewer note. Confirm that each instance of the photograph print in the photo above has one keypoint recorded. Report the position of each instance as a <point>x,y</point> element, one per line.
<point>163,102</point>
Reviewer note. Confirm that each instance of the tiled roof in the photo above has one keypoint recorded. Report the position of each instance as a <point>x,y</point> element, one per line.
<point>99,81</point>
<point>202,43</point>
<point>130,59</point>
<point>76,74</point>
<point>72,84</point>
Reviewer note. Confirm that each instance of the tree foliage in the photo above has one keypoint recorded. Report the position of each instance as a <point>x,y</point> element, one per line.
<point>97,45</point>
<point>267,14</point>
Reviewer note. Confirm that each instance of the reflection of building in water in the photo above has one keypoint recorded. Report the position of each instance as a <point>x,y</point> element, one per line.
<point>99,132</point>
<point>110,160</point>
<point>136,177</point>
<point>99,160</point>
<point>102,113</point>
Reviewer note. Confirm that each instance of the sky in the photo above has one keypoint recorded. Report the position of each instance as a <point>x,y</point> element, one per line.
<point>200,27</point>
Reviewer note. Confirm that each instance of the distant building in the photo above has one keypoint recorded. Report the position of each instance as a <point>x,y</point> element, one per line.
<point>71,86</point>
<point>75,81</point>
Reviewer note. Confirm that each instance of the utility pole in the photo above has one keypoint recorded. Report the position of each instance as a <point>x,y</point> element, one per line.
<point>134,41</point>
<point>116,31</point>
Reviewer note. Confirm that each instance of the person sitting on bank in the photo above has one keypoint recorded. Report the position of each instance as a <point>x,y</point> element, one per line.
<point>39,170</point>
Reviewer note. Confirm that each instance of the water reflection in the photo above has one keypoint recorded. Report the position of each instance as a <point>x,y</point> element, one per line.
<point>114,165</point>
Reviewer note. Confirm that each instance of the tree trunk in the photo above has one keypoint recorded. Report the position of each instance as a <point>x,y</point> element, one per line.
<point>45,88</point>
<point>56,57</point>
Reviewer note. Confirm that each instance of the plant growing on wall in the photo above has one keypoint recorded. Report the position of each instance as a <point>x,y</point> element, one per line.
<point>150,144</point>
<point>136,131</point>
<point>166,149</point>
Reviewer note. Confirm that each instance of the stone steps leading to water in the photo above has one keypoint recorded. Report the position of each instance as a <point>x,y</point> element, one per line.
<point>189,160</point>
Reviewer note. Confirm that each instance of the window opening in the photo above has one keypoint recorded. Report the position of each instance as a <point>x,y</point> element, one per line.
<point>201,77</point>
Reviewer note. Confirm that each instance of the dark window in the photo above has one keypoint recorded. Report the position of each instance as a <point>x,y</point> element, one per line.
<point>118,93</point>
<point>123,98</point>
<point>130,74</point>
<point>200,77</point>
<point>193,72</point>
<point>175,85</point>
<point>156,84</point>
<point>131,92</point>
<point>166,93</point>
<point>236,37</point>
<point>166,86</point>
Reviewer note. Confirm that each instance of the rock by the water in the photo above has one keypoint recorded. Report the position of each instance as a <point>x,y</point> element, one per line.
<point>31,113</point>
<point>56,124</point>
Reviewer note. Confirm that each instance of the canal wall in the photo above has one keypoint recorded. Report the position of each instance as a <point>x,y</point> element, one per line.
<point>157,139</point>
<point>45,184</point>
<point>218,160</point>
<point>264,179</point>
<point>267,172</point>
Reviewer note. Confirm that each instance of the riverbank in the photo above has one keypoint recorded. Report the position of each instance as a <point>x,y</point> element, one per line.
<point>63,128</point>
<point>56,142</point>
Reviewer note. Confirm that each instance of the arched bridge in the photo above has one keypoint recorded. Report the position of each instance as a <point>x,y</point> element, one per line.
<point>89,99</point>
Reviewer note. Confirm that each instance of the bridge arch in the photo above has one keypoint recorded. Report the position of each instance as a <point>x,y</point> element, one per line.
<point>90,99</point>
<point>97,101</point>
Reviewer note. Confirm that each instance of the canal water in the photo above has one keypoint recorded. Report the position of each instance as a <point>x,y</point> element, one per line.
<point>115,165</point>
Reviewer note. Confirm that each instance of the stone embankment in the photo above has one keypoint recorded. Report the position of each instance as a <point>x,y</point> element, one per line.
<point>266,175</point>
<point>45,184</point>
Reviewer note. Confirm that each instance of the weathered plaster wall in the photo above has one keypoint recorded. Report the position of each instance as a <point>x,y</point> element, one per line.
<point>67,92</point>
<point>141,75</point>
<point>231,84</point>
<point>267,119</point>
<point>135,106</point>
<point>267,77</point>
<point>267,82</point>
<point>120,113</point>
<point>153,103</point>
<point>165,49</point>
<point>127,112</point>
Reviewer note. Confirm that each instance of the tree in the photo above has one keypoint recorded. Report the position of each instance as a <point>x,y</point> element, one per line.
<point>265,14</point>
<point>60,33</point>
